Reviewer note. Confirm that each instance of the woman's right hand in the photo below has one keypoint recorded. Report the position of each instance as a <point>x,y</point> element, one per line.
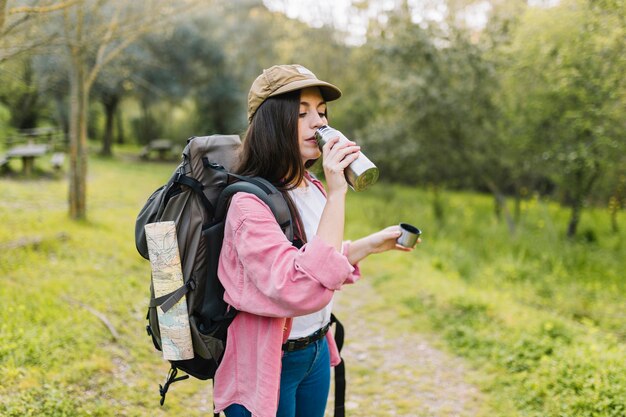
<point>336,157</point>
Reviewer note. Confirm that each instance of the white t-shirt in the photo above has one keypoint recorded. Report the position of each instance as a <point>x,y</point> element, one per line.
<point>310,203</point>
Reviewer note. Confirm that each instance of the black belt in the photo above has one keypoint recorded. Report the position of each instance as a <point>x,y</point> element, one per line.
<point>301,343</point>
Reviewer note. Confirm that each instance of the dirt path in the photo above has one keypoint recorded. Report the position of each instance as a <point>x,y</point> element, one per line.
<point>392,371</point>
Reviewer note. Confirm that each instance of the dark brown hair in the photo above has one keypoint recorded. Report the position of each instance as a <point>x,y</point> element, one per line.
<point>271,149</point>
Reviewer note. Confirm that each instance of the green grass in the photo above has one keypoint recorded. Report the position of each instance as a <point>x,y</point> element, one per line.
<point>539,317</point>
<point>57,358</point>
<point>542,316</point>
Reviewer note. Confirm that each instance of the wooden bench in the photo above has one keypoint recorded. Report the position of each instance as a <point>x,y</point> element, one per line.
<point>57,160</point>
<point>145,152</point>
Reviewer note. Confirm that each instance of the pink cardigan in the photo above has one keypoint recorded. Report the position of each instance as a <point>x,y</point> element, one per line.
<point>269,280</point>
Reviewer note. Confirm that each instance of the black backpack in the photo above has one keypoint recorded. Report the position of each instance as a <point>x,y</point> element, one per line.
<point>196,199</point>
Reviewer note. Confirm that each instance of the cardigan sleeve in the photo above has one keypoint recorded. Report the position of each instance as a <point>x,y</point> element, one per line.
<point>264,274</point>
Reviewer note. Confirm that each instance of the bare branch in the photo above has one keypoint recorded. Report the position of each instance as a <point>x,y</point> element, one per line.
<point>98,314</point>
<point>40,9</point>
<point>107,36</point>
<point>10,48</point>
<point>12,26</point>
<point>7,54</point>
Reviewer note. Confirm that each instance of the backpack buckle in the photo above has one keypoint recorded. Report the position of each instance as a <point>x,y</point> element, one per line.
<point>191,285</point>
<point>209,164</point>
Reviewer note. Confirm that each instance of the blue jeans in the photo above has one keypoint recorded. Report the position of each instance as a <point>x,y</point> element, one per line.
<point>304,383</point>
<point>237,410</point>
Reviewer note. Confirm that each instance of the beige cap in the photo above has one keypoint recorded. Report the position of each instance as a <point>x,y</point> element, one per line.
<point>281,79</point>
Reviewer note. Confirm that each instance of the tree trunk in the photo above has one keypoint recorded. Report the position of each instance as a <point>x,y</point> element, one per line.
<point>572,226</point>
<point>614,207</point>
<point>617,202</point>
<point>438,210</point>
<point>27,105</point>
<point>62,118</point>
<point>500,201</point>
<point>110,107</point>
<point>3,13</point>
<point>517,214</point>
<point>78,143</point>
<point>497,208</point>
<point>581,190</point>
<point>119,124</point>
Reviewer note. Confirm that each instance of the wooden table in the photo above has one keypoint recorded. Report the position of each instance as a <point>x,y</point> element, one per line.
<point>28,153</point>
<point>162,146</point>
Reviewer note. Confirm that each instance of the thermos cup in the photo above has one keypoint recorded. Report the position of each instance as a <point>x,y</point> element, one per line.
<point>409,235</point>
<point>361,173</point>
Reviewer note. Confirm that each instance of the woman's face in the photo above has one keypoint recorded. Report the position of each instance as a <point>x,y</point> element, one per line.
<point>312,115</point>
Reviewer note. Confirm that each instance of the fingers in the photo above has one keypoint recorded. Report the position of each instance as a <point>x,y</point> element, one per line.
<point>391,232</point>
<point>403,249</point>
<point>330,144</point>
<point>337,156</point>
<point>347,157</point>
<point>339,152</point>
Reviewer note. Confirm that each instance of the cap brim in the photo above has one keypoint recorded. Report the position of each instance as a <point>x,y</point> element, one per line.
<point>329,91</point>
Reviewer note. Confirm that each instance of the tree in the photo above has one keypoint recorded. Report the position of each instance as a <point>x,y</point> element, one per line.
<point>94,33</point>
<point>110,88</point>
<point>426,109</point>
<point>21,93</point>
<point>190,64</point>
<point>22,28</point>
<point>568,88</point>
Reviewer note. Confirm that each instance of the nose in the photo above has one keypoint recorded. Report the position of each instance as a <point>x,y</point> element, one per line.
<point>317,121</point>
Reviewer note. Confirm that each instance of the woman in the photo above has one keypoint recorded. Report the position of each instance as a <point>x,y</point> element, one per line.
<point>279,351</point>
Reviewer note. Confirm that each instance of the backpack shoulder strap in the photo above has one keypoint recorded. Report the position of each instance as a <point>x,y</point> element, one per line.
<point>267,192</point>
<point>340,370</point>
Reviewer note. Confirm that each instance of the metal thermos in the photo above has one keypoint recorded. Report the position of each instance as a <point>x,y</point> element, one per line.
<point>362,172</point>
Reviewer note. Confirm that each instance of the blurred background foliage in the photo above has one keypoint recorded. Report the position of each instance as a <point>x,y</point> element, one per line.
<point>514,98</point>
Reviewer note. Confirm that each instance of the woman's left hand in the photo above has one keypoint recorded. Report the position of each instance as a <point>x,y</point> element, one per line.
<point>378,242</point>
<point>385,240</point>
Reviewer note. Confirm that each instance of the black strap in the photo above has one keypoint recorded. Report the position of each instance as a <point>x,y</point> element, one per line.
<point>197,187</point>
<point>168,301</point>
<point>256,181</point>
<point>269,189</point>
<point>297,242</point>
<point>269,194</point>
<point>340,371</point>
<point>253,180</point>
<point>274,200</point>
<point>171,378</point>
<point>214,413</point>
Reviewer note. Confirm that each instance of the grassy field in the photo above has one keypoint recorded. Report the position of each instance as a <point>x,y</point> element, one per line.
<point>541,319</point>
<point>540,315</point>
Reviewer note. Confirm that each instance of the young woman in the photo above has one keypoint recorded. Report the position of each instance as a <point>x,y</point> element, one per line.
<point>279,351</point>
